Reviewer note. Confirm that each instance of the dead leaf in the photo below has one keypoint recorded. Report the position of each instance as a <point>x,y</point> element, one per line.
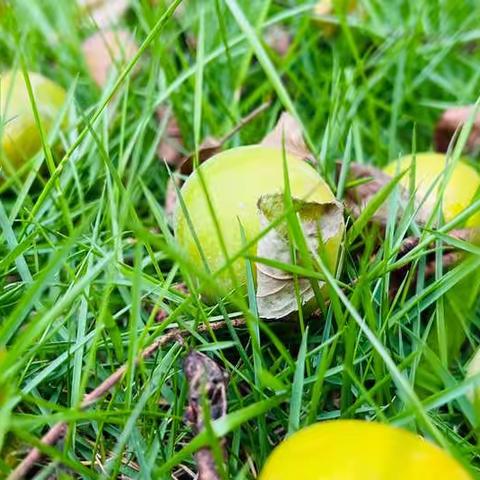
<point>208,148</point>
<point>452,120</point>
<point>288,132</point>
<point>279,39</point>
<point>104,13</point>
<point>276,288</point>
<point>105,50</point>
<point>206,382</point>
<point>171,145</point>
<point>450,257</point>
<point>358,196</point>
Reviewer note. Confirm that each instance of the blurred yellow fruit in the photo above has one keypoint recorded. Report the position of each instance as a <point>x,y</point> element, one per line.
<point>235,180</point>
<point>460,189</point>
<point>359,450</point>
<point>473,370</point>
<point>18,130</point>
<point>325,8</point>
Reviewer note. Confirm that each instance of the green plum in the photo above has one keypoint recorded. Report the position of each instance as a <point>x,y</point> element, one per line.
<point>235,180</point>
<point>19,133</point>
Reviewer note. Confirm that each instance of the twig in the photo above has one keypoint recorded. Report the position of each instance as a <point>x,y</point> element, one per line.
<point>60,428</point>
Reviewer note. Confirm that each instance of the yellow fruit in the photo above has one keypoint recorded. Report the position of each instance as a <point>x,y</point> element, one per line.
<point>330,8</point>
<point>235,181</point>
<point>460,188</point>
<point>359,450</point>
<point>473,370</point>
<point>18,130</point>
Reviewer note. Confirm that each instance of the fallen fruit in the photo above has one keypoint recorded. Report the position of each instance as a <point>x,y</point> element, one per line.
<point>331,8</point>
<point>473,370</point>
<point>459,301</point>
<point>359,450</point>
<point>460,188</point>
<point>19,133</point>
<point>236,179</point>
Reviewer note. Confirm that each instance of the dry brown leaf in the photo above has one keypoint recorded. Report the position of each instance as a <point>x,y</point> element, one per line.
<point>105,50</point>
<point>104,13</point>
<point>279,39</point>
<point>276,288</point>
<point>171,145</point>
<point>450,257</point>
<point>288,131</point>
<point>171,197</point>
<point>452,120</point>
<point>206,382</point>
<point>358,196</point>
<point>211,145</point>
<point>208,148</point>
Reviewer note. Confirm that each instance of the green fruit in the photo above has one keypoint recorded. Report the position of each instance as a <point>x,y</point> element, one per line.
<point>235,180</point>
<point>19,133</point>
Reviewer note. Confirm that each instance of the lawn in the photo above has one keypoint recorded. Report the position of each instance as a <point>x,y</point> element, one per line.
<point>92,275</point>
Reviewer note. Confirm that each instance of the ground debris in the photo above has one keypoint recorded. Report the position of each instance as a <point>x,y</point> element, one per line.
<point>206,382</point>
<point>450,257</point>
<point>450,122</point>
<point>106,50</point>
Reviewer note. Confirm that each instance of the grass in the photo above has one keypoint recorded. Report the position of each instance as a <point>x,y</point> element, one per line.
<point>87,258</point>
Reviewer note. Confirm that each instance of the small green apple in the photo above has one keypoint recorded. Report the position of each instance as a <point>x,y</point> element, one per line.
<point>19,133</point>
<point>235,180</point>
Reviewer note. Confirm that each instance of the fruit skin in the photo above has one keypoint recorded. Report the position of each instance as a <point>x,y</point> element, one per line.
<point>359,450</point>
<point>459,191</point>
<point>19,133</point>
<point>235,180</point>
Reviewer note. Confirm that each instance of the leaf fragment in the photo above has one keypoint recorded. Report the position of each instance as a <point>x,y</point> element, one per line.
<point>104,13</point>
<point>450,122</point>
<point>320,222</point>
<point>288,132</point>
<point>279,39</point>
<point>108,49</point>
<point>361,194</point>
<point>170,148</point>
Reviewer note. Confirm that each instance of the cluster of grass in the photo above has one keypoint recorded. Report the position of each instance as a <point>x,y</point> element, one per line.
<point>88,259</point>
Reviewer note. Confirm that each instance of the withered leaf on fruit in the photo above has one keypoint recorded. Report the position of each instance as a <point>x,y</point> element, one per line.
<point>320,222</point>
